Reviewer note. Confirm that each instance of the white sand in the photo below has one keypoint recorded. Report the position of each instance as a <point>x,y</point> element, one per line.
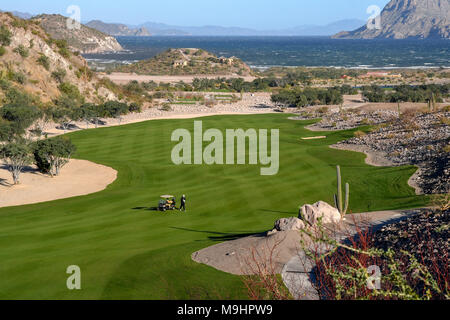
<point>77,178</point>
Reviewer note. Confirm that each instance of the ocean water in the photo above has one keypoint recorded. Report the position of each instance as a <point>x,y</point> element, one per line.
<point>263,52</point>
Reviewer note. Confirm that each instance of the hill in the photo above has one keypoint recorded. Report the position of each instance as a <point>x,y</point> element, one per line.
<point>84,40</point>
<point>38,68</point>
<point>116,29</point>
<point>403,19</point>
<point>190,61</point>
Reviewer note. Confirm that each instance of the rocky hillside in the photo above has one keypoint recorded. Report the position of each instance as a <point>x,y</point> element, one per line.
<point>403,19</point>
<point>34,64</point>
<point>188,62</point>
<point>115,29</point>
<point>84,40</point>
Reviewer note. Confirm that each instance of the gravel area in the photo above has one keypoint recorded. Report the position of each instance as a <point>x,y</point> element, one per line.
<point>421,139</point>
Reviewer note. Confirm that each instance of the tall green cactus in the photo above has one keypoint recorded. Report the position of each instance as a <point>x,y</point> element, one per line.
<point>338,199</point>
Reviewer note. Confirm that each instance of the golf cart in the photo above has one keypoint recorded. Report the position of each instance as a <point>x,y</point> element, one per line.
<point>167,203</point>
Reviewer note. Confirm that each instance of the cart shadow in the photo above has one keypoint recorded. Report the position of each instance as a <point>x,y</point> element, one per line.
<point>145,208</point>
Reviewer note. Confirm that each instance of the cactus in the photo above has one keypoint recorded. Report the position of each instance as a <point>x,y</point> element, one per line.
<point>338,199</point>
<point>399,109</point>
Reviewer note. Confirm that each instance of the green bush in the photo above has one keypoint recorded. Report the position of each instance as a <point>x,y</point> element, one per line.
<point>44,61</point>
<point>51,155</point>
<point>5,36</point>
<point>24,53</point>
<point>134,107</point>
<point>64,52</point>
<point>2,51</point>
<point>16,97</point>
<point>59,75</point>
<point>17,77</point>
<point>4,84</point>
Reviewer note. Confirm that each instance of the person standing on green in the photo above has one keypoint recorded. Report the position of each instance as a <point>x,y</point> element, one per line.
<point>183,203</point>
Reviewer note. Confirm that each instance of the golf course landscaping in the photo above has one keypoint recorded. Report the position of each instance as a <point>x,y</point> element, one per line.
<point>127,251</point>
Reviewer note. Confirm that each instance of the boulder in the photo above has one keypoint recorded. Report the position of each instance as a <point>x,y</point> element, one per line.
<point>312,213</point>
<point>287,224</point>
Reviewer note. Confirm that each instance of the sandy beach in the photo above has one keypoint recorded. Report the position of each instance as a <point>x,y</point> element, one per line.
<point>123,78</point>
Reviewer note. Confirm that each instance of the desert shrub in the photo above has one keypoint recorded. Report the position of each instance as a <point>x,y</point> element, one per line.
<point>2,51</point>
<point>59,75</point>
<point>44,61</point>
<point>64,52</point>
<point>166,107</point>
<point>134,107</point>
<point>84,72</point>
<point>4,84</point>
<point>445,121</point>
<point>16,97</point>
<point>19,23</point>
<point>5,36</point>
<point>24,53</point>
<point>20,116</point>
<point>71,91</point>
<point>359,134</point>
<point>63,48</point>
<point>18,77</point>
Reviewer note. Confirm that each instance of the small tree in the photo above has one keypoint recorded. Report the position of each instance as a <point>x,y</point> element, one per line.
<point>16,155</point>
<point>20,117</point>
<point>87,113</point>
<point>52,155</point>
<point>64,116</point>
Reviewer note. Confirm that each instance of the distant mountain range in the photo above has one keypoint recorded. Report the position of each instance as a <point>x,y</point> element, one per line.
<point>403,19</point>
<point>161,29</point>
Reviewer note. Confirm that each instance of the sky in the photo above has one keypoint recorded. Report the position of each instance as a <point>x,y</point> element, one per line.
<point>256,14</point>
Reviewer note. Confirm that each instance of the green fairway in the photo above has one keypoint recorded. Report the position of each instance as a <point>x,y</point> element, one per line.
<point>126,251</point>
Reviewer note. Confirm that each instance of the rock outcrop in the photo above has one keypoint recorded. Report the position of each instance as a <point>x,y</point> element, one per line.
<point>83,39</point>
<point>287,224</point>
<point>403,19</point>
<point>23,71</point>
<point>312,213</point>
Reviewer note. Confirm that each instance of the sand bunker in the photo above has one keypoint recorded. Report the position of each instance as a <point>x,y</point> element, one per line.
<point>78,178</point>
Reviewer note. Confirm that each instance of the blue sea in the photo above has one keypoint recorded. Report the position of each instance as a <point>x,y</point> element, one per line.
<point>264,52</point>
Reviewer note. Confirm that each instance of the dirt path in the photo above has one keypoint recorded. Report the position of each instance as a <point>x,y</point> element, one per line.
<point>124,78</point>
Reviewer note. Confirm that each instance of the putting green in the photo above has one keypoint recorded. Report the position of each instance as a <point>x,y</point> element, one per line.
<point>126,251</point>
